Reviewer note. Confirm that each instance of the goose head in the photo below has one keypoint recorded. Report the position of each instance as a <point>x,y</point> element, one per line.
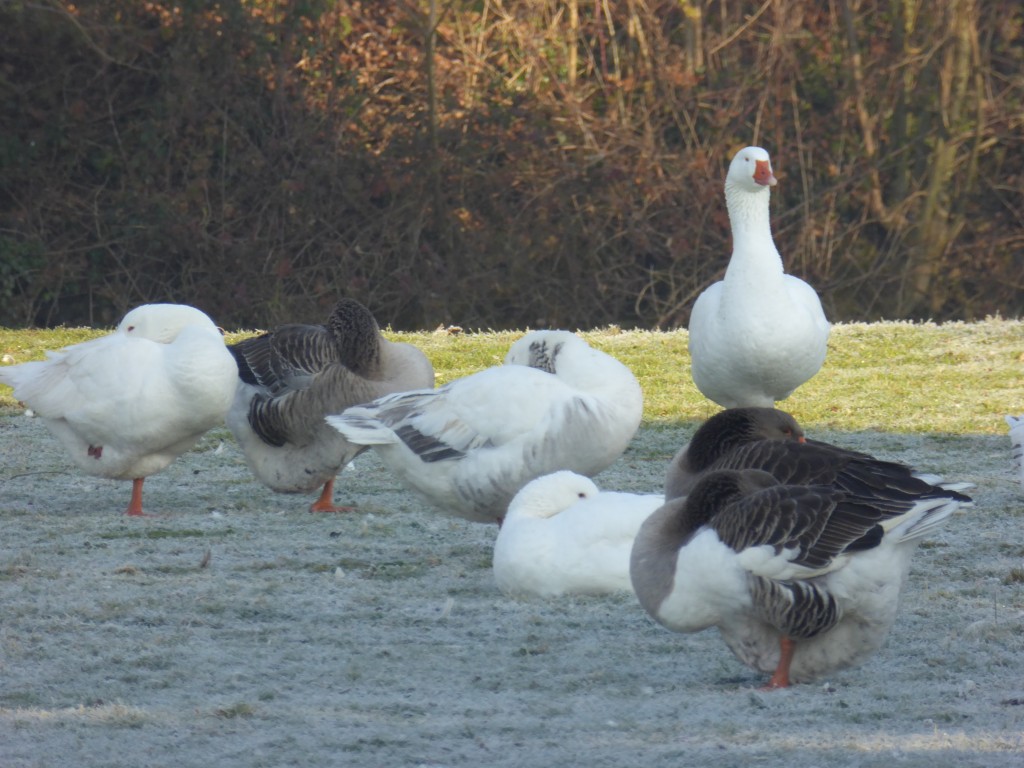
<point>750,171</point>
<point>163,322</point>
<point>548,495</point>
<point>737,426</point>
<point>356,335</point>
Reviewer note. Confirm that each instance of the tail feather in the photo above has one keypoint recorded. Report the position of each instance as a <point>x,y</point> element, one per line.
<point>361,431</point>
<point>926,517</point>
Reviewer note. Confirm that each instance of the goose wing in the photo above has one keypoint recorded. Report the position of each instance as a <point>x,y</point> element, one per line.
<point>285,358</point>
<point>792,531</point>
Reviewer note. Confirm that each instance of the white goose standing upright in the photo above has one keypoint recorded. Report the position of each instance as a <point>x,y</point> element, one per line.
<point>127,404</point>
<point>290,378</point>
<point>758,334</point>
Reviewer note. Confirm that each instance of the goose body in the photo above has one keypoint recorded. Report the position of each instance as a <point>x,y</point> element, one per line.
<point>127,404</point>
<point>290,378</point>
<point>758,334</point>
<point>800,580</point>
<point>1016,425</point>
<point>471,444</point>
<point>562,535</point>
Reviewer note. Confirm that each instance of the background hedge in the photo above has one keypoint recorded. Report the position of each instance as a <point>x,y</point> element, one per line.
<point>501,164</point>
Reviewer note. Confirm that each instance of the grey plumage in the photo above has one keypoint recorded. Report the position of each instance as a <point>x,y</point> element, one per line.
<point>292,377</point>
<point>792,573</point>
<point>771,440</point>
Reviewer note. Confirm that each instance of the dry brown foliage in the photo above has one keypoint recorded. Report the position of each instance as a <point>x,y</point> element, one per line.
<point>499,164</point>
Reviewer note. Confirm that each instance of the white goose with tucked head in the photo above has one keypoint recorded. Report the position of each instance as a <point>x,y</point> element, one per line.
<point>564,536</point>
<point>758,334</point>
<point>127,404</point>
<point>290,378</point>
<point>470,445</point>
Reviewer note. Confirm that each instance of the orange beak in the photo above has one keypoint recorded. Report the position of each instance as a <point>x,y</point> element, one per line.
<point>763,173</point>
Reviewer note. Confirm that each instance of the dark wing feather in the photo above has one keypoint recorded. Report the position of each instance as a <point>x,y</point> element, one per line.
<point>821,464</point>
<point>295,416</point>
<point>285,358</point>
<point>265,418</point>
<point>817,522</point>
<point>787,462</point>
<point>427,447</point>
<point>797,608</point>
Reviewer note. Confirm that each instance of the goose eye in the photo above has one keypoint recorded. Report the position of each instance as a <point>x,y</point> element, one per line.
<point>582,495</point>
<point>131,328</point>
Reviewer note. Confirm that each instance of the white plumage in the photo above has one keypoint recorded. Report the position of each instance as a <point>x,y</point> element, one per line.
<point>127,404</point>
<point>1016,424</point>
<point>758,334</point>
<point>563,536</point>
<point>470,445</point>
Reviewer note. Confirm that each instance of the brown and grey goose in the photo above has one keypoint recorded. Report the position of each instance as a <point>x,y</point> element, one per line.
<point>290,378</point>
<point>800,580</point>
<point>773,441</point>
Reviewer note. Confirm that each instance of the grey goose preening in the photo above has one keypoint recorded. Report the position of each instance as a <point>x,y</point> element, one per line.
<point>796,551</point>
<point>290,378</point>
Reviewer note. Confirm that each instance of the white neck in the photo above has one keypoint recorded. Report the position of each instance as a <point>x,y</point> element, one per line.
<point>753,249</point>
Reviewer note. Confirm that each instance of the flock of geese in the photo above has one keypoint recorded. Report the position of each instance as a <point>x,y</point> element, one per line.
<point>796,550</point>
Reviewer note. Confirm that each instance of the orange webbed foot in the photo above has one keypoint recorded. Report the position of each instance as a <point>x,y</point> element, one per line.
<point>326,501</point>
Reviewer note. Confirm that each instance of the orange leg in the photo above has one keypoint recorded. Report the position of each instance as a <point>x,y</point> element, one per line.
<point>781,677</point>
<point>135,505</point>
<point>326,501</point>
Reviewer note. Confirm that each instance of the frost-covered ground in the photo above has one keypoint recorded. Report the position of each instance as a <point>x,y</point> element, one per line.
<point>236,629</point>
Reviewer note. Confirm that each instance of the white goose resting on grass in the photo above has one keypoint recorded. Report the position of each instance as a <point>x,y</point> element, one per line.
<point>563,536</point>
<point>127,404</point>
<point>470,445</point>
<point>758,334</point>
<point>800,580</point>
<point>290,378</point>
